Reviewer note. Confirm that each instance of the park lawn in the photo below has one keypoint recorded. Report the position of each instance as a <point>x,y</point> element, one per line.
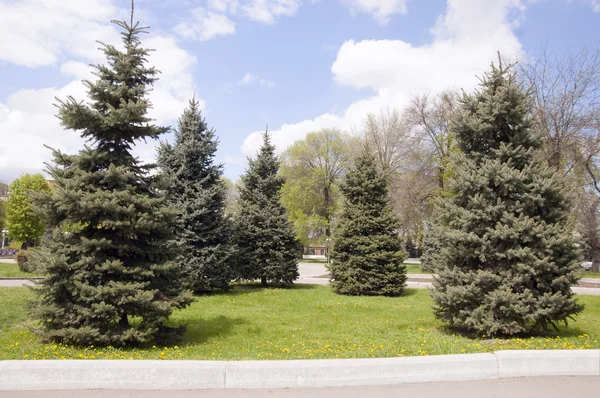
<point>306,322</point>
<point>414,269</point>
<point>590,274</point>
<point>8,270</point>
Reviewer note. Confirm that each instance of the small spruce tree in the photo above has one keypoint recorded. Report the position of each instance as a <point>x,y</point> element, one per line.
<point>109,276</point>
<point>194,185</point>
<point>367,254</point>
<point>507,257</point>
<point>267,247</point>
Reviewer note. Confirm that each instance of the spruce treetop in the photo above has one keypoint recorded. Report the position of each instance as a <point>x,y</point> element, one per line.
<point>117,117</point>
<point>191,158</point>
<point>262,175</point>
<point>494,122</point>
<point>365,186</point>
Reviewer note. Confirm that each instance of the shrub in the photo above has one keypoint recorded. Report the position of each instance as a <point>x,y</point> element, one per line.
<point>23,261</point>
<point>15,245</point>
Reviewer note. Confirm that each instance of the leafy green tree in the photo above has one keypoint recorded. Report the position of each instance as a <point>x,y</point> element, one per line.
<point>231,196</point>
<point>267,248</point>
<point>195,186</point>
<point>22,223</point>
<point>110,279</point>
<point>2,214</point>
<point>367,258</point>
<point>507,257</point>
<point>312,168</point>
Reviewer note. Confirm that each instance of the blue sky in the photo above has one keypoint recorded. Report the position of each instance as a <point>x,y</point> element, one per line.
<point>298,65</point>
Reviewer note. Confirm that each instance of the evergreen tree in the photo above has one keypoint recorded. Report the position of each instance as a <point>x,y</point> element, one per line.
<point>507,258</point>
<point>367,254</point>
<point>109,278</point>
<point>194,185</point>
<point>267,248</point>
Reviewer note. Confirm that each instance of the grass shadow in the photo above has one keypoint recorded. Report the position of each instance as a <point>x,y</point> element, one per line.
<point>241,288</point>
<point>563,331</point>
<point>202,330</point>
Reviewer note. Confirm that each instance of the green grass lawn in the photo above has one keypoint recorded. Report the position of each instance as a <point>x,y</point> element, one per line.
<point>590,274</point>
<point>414,269</point>
<point>304,322</point>
<point>12,270</point>
<point>312,261</point>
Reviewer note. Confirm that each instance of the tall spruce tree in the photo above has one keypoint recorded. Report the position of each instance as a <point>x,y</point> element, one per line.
<point>109,278</point>
<point>507,258</point>
<point>267,248</point>
<point>367,254</point>
<point>194,185</point>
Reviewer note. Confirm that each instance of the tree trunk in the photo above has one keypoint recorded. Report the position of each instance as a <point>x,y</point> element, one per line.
<point>593,242</point>
<point>327,216</point>
<point>124,322</point>
<point>263,281</point>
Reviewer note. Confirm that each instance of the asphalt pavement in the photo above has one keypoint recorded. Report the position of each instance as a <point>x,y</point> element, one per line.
<point>529,387</point>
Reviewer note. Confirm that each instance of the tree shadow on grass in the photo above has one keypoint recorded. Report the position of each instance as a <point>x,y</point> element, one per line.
<point>202,330</point>
<point>243,288</point>
<point>563,331</point>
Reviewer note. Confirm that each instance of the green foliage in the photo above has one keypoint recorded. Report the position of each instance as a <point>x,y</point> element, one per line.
<point>367,256</point>
<point>505,252</point>
<point>110,279</point>
<point>231,196</point>
<point>312,168</point>
<point>22,223</point>
<point>267,248</point>
<point>194,185</point>
<point>2,214</point>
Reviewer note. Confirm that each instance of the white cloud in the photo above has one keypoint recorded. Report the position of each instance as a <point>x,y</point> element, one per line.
<point>175,85</point>
<point>28,121</point>
<point>38,32</point>
<point>267,11</point>
<point>380,9</point>
<point>465,40</point>
<point>249,78</point>
<point>229,6</point>
<point>594,3</point>
<point>205,25</point>
<point>77,70</point>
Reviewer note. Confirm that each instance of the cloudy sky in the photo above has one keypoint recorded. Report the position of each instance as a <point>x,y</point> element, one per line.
<point>296,65</point>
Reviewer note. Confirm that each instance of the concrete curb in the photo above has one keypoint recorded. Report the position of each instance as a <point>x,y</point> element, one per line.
<point>195,375</point>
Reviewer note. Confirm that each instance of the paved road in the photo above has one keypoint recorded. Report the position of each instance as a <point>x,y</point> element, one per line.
<point>313,274</point>
<point>546,387</point>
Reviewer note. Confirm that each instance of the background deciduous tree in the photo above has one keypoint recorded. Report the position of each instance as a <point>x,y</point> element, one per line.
<point>312,168</point>
<point>565,92</point>
<point>22,223</point>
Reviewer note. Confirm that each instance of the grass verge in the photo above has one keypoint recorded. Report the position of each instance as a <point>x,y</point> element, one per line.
<point>306,322</point>
<point>9,270</point>
<point>590,274</point>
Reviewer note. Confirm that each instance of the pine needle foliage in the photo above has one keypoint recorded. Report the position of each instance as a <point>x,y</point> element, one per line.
<point>368,258</point>
<point>110,280</point>
<point>265,238</point>
<point>194,184</point>
<point>507,258</point>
